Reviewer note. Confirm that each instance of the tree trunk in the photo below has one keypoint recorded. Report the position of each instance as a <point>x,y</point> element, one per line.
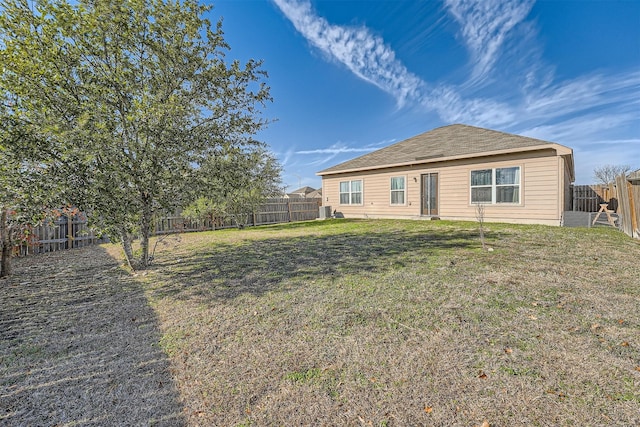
<point>126,246</point>
<point>5,264</point>
<point>145,231</point>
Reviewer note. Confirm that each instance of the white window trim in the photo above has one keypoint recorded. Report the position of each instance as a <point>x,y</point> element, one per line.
<point>494,187</point>
<point>404,191</point>
<point>350,193</point>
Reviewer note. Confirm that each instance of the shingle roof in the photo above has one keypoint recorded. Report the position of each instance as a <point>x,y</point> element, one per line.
<point>303,190</point>
<point>315,194</point>
<point>444,142</point>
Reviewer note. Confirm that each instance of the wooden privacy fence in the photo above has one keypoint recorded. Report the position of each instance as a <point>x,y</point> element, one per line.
<point>587,198</point>
<point>68,232</point>
<point>628,205</point>
<point>273,211</point>
<point>623,198</point>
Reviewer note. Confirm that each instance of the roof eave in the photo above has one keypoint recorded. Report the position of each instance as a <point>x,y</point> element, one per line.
<point>561,150</point>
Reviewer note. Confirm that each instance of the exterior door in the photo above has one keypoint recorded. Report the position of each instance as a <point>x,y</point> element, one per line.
<point>429,194</point>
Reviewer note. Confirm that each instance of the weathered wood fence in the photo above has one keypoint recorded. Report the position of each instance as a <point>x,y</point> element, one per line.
<point>66,232</point>
<point>587,198</point>
<point>73,232</point>
<point>622,197</point>
<point>628,195</point>
<point>273,211</point>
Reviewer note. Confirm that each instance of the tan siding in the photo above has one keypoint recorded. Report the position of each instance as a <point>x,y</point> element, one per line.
<point>541,189</point>
<point>566,184</point>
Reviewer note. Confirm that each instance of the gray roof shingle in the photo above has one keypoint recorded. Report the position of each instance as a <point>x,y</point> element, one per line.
<point>455,140</point>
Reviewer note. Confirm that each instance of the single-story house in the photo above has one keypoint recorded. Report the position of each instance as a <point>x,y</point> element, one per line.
<point>447,172</point>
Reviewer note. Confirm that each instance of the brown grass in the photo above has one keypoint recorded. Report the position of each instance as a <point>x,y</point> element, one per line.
<point>353,323</point>
<point>79,346</point>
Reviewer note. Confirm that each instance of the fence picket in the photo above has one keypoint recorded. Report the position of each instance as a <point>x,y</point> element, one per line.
<point>65,233</point>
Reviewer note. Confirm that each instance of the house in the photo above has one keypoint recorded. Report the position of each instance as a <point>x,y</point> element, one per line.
<point>300,193</point>
<point>315,194</point>
<point>447,172</point>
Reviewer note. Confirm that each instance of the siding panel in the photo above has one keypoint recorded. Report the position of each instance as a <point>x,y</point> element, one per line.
<point>542,189</point>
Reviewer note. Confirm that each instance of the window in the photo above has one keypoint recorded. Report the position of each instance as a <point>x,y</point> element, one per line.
<point>351,192</point>
<point>481,188</point>
<point>499,185</point>
<point>397,190</point>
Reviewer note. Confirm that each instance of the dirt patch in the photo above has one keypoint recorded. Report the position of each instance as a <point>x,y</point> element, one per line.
<point>79,345</point>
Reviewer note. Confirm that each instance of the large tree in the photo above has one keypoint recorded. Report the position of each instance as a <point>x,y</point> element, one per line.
<point>26,184</point>
<point>139,93</point>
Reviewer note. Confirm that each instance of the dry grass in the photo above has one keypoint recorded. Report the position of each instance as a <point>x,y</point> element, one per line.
<point>363,323</point>
<point>372,322</point>
<point>79,346</point>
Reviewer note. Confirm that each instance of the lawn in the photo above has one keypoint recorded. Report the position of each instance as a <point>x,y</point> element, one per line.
<point>339,322</point>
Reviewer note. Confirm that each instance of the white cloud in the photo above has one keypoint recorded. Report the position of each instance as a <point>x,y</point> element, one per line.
<point>593,139</point>
<point>485,26</point>
<point>286,157</point>
<point>336,150</point>
<point>584,93</point>
<point>369,58</point>
<point>583,129</point>
<point>594,114</point>
<point>363,53</point>
<point>453,108</point>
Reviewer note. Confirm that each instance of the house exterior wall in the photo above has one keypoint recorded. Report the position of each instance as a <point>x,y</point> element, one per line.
<point>544,183</point>
<point>566,184</point>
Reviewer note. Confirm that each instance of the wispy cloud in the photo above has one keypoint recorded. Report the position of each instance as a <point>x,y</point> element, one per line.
<point>369,58</point>
<point>325,155</point>
<point>363,53</point>
<point>286,157</point>
<point>452,107</point>
<point>588,112</point>
<point>584,129</point>
<point>597,138</point>
<point>336,150</point>
<point>584,93</point>
<point>485,26</point>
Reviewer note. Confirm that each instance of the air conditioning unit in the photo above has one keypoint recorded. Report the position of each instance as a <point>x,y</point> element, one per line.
<point>325,212</point>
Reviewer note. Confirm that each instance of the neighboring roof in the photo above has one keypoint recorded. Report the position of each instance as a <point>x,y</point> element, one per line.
<point>315,194</point>
<point>634,176</point>
<point>303,190</point>
<point>445,143</point>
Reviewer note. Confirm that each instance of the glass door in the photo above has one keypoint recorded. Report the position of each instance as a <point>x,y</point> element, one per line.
<point>429,194</point>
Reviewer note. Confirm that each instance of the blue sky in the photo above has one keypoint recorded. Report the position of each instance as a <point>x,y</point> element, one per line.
<point>349,77</point>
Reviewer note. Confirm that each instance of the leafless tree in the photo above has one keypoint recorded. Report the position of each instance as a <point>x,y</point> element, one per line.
<point>480,218</point>
<point>607,174</point>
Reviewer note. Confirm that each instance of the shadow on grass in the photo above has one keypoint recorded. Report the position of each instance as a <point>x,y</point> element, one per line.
<point>257,266</point>
<point>79,346</point>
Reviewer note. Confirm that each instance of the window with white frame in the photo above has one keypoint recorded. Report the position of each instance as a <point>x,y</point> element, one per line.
<point>494,186</point>
<point>398,190</point>
<point>351,192</point>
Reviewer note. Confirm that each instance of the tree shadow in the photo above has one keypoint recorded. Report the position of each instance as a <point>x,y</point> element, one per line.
<point>79,345</point>
<point>257,266</point>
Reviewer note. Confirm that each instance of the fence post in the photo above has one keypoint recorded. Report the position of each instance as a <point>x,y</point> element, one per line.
<point>632,205</point>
